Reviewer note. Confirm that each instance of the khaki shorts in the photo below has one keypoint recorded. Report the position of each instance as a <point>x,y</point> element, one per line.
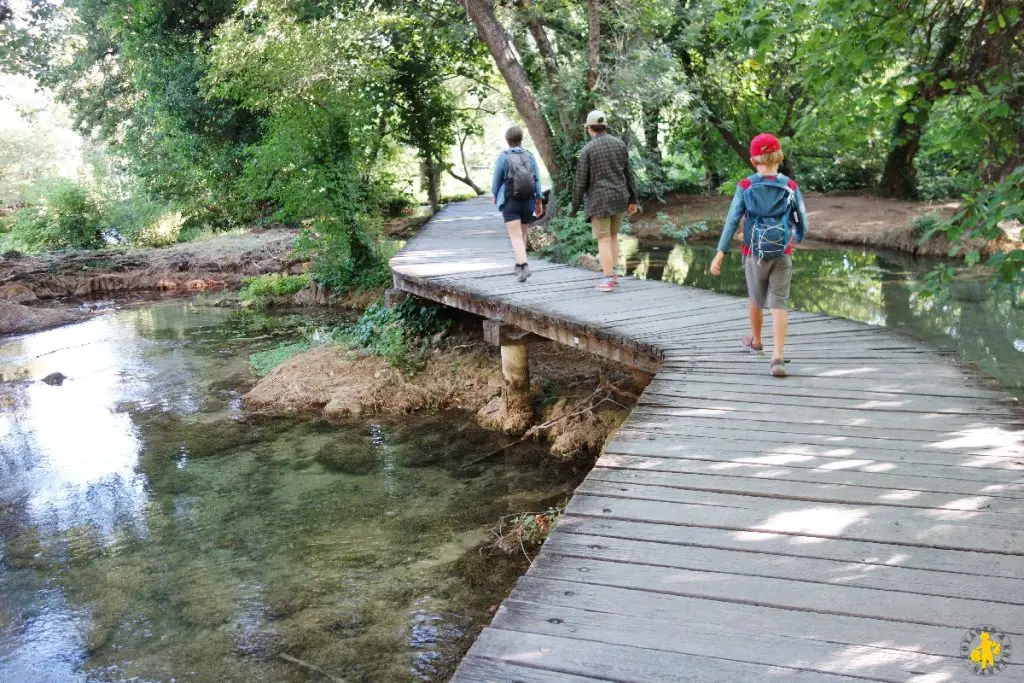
<point>606,226</point>
<point>768,281</point>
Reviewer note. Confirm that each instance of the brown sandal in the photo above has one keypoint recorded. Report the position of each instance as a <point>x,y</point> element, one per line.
<point>748,342</point>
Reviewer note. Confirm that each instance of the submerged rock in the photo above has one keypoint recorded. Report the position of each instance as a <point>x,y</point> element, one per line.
<point>330,382</point>
<point>55,379</point>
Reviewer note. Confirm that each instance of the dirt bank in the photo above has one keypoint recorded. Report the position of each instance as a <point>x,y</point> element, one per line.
<point>862,221</point>
<point>578,399</point>
<point>28,282</point>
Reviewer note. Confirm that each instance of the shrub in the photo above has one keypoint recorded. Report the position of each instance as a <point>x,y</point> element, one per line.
<point>573,238</point>
<point>401,334</point>
<point>145,222</point>
<point>66,218</point>
<point>682,232</point>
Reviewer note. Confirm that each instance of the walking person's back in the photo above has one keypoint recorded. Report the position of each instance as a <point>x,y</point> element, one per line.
<point>604,177</point>
<point>517,194</point>
<point>774,217</point>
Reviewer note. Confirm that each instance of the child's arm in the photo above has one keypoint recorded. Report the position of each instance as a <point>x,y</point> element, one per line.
<point>499,176</point>
<point>732,221</point>
<point>538,191</point>
<point>801,212</point>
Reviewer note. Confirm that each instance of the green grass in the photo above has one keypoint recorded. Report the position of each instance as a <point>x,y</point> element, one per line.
<point>262,362</point>
<point>274,284</point>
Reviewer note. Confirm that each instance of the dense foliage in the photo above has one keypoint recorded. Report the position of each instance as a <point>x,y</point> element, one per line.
<point>222,112</point>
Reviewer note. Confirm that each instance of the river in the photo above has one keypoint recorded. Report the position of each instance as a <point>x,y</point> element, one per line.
<point>151,530</point>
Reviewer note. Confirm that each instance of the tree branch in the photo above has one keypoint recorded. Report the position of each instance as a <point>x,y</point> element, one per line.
<point>547,53</point>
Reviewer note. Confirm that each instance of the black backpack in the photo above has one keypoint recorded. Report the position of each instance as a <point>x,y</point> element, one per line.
<point>519,180</point>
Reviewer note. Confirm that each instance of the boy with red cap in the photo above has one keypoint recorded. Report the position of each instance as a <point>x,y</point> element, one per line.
<point>774,216</point>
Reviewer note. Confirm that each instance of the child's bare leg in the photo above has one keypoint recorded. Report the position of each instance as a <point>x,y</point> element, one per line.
<point>615,252</point>
<point>756,320</point>
<point>526,240</point>
<point>515,234</point>
<point>780,323</point>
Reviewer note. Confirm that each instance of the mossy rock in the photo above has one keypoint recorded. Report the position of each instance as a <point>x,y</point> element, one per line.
<point>356,459</point>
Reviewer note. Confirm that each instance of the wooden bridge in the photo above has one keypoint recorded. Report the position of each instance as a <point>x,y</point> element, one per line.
<point>851,522</point>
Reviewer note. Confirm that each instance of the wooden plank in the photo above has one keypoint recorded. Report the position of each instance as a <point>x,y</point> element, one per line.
<point>971,566</point>
<point>474,669</point>
<point>862,515</point>
<point>910,406</point>
<point>997,470</point>
<point>815,385</point>
<point>804,596</point>
<point>937,584</point>
<point>819,520</point>
<point>707,443</point>
<point>844,494</point>
<point>922,425</point>
<point>710,473</point>
<point>998,443</point>
<point>814,643</point>
<point>596,660</point>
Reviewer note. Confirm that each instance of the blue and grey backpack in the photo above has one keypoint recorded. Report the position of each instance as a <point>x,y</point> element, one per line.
<point>771,209</point>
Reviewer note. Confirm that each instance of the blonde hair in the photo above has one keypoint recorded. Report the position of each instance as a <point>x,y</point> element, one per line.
<point>770,159</point>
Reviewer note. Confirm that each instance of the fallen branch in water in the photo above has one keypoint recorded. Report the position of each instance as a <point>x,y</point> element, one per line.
<point>311,667</point>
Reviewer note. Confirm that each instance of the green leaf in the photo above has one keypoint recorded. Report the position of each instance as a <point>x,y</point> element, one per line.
<point>972,257</point>
<point>947,84</point>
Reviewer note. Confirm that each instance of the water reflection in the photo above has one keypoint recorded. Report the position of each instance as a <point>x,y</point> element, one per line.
<point>984,325</point>
<point>150,530</point>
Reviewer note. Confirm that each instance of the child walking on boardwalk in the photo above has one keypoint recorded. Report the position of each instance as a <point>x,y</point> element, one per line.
<point>774,216</point>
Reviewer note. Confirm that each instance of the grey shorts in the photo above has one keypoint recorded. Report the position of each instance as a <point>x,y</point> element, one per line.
<point>768,281</point>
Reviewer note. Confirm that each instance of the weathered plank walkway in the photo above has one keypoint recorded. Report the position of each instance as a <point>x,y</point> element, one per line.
<point>850,522</point>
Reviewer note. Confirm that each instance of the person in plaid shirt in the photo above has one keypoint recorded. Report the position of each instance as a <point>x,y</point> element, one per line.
<point>605,178</point>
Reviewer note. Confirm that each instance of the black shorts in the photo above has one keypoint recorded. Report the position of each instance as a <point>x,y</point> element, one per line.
<point>518,210</point>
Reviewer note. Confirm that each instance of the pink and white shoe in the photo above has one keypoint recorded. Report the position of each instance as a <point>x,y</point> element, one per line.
<point>607,285</point>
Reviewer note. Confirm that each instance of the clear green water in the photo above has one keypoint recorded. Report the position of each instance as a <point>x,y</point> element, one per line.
<point>983,325</point>
<point>151,531</point>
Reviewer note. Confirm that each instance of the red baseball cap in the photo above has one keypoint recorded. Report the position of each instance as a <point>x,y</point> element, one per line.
<point>765,143</point>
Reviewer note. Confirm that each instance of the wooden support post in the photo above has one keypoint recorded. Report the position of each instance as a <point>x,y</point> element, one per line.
<point>515,367</point>
<point>498,333</point>
<point>393,297</point>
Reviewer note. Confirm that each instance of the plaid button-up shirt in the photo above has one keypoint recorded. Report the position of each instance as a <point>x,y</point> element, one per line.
<point>604,175</point>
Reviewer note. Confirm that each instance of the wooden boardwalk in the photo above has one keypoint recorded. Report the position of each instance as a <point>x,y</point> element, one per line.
<point>850,522</point>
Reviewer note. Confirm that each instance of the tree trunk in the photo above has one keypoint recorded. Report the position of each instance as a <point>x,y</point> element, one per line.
<point>432,174</point>
<point>652,121</point>
<point>466,177</point>
<point>593,42</point>
<point>730,138</point>
<point>494,36</point>
<point>547,53</point>
<point>709,162</point>
<point>899,177</point>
